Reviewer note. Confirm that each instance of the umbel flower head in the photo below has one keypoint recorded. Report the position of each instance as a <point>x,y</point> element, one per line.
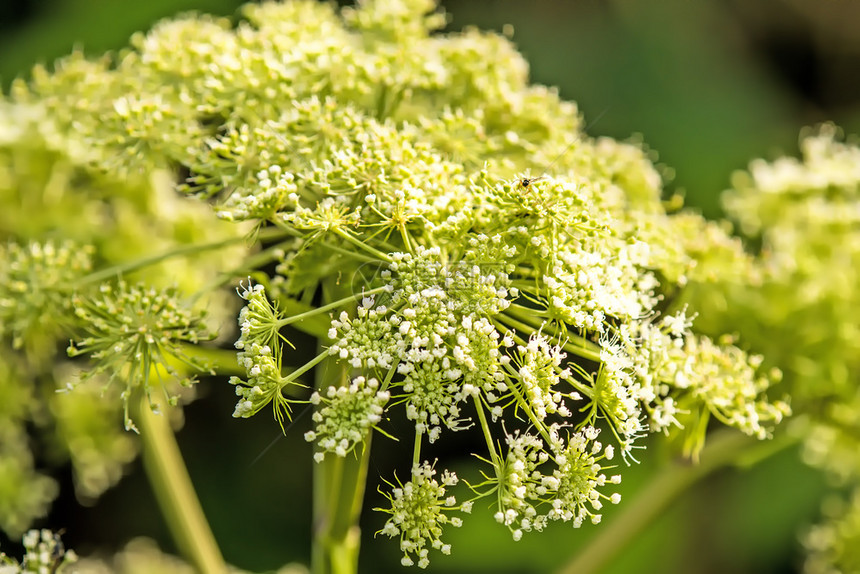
<point>35,283</point>
<point>135,334</point>
<point>543,479</point>
<point>419,509</point>
<point>391,169</point>
<point>802,312</point>
<point>260,355</point>
<point>347,416</point>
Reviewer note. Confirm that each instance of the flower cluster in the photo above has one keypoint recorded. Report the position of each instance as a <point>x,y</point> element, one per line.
<point>537,482</point>
<point>96,445</point>
<point>451,279</point>
<point>431,397</point>
<point>800,309</point>
<point>259,319</point>
<point>539,375</point>
<point>43,552</point>
<point>690,377</point>
<point>419,509</point>
<point>832,545</point>
<point>25,493</point>
<point>385,171</point>
<point>260,354</point>
<point>618,391</point>
<point>272,193</point>
<point>347,417</point>
<point>35,283</point>
<point>263,384</point>
<point>135,332</point>
<point>370,339</point>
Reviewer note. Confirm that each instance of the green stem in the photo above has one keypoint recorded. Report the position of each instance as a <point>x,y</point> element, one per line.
<point>326,308</point>
<point>524,404</point>
<point>485,427</point>
<point>324,354</point>
<point>115,270</point>
<point>517,324</point>
<point>222,361</point>
<point>724,448</point>
<point>416,450</point>
<point>579,346</point>
<point>379,255</point>
<point>339,484</point>
<point>175,493</point>
<point>350,253</point>
<point>312,324</point>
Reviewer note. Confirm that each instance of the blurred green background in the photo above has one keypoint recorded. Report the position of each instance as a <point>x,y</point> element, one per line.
<point>707,86</point>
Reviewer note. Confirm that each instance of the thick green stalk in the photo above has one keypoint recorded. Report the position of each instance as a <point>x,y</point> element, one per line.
<point>339,484</point>
<point>175,493</point>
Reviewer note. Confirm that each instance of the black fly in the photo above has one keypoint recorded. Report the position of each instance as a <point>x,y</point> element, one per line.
<point>527,181</point>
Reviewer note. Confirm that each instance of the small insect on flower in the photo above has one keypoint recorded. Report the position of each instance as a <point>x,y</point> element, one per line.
<point>526,182</point>
<point>58,552</point>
